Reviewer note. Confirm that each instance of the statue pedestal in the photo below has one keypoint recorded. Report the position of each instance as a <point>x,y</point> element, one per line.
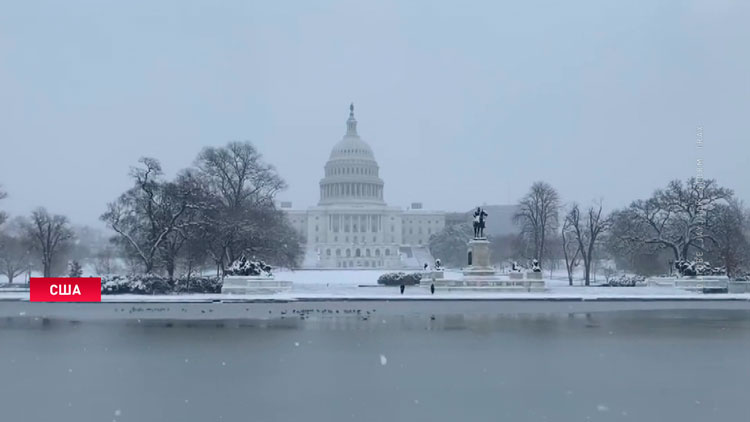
<point>534,275</point>
<point>481,275</point>
<point>479,258</point>
<point>432,275</point>
<point>249,285</point>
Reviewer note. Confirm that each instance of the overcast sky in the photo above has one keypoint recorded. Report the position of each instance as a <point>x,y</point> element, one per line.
<point>462,102</point>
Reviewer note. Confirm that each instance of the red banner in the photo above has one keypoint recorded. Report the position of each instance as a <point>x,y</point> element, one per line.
<point>65,289</point>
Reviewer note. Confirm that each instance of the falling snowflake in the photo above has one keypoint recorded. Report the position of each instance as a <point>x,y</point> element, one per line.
<point>296,344</point>
<point>602,408</point>
<point>383,360</point>
<point>118,412</point>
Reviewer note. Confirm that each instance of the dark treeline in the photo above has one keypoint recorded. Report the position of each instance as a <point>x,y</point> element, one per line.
<point>207,216</point>
<point>693,223</point>
<point>213,212</point>
<point>223,206</point>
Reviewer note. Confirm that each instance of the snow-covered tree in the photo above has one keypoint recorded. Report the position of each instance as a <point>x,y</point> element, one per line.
<point>221,208</point>
<point>679,218</point>
<point>147,214</point>
<point>75,269</point>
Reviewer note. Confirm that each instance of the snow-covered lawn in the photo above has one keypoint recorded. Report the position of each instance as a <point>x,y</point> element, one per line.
<point>362,284</point>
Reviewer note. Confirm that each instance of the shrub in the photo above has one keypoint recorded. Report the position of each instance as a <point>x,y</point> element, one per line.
<point>397,279</point>
<point>149,284</point>
<point>198,285</point>
<point>626,281</point>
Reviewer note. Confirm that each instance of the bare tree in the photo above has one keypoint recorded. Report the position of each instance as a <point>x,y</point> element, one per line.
<point>48,235</point>
<point>586,230</point>
<point>244,188</point>
<point>3,215</point>
<point>14,256</point>
<point>729,224</point>
<point>189,189</point>
<point>193,256</point>
<point>239,176</point>
<point>537,216</point>
<point>224,205</point>
<point>105,261</point>
<point>571,248</point>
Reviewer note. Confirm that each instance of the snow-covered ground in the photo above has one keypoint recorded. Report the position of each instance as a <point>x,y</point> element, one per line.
<point>328,293</point>
<point>362,284</point>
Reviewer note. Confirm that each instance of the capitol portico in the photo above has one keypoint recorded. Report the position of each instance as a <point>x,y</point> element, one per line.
<point>352,226</point>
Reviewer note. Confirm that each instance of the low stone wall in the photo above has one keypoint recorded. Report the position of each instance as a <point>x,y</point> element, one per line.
<point>701,284</point>
<point>491,283</point>
<point>430,275</point>
<point>739,287</point>
<point>228,308</point>
<point>525,275</point>
<point>254,285</point>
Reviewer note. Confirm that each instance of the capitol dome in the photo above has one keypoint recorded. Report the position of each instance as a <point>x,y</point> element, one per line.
<point>351,173</point>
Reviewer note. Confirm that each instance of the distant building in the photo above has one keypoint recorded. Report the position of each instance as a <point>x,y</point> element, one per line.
<point>352,226</point>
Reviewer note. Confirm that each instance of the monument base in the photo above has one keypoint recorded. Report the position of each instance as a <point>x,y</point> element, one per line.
<point>490,283</point>
<point>699,284</point>
<point>432,275</point>
<point>479,259</point>
<point>244,285</point>
<point>480,275</point>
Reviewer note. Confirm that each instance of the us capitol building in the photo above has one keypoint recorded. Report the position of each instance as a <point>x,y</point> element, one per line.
<point>352,226</point>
